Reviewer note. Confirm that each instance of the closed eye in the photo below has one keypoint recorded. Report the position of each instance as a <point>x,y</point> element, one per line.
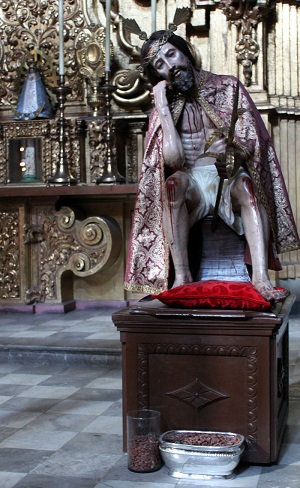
<point>171,53</point>
<point>158,65</point>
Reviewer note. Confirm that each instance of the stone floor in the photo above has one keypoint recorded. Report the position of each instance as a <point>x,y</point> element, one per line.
<point>60,409</point>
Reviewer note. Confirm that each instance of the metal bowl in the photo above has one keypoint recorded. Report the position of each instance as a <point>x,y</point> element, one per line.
<point>188,460</point>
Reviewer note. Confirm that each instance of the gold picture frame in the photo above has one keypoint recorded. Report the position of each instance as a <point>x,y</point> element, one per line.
<point>17,137</point>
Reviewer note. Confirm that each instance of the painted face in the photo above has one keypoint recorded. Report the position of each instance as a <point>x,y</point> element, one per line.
<point>174,66</point>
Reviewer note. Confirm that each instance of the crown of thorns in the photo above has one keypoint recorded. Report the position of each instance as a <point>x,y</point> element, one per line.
<point>181,15</point>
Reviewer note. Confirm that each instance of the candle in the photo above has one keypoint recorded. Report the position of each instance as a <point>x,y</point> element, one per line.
<point>153,12</point>
<point>61,36</point>
<point>107,36</point>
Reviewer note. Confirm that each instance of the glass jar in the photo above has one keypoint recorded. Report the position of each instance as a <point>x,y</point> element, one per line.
<point>143,431</point>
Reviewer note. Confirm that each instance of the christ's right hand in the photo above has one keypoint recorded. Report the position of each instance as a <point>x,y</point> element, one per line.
<point>160,95</point>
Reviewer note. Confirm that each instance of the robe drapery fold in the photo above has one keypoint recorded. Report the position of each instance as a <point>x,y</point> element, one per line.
<point>148,256</point>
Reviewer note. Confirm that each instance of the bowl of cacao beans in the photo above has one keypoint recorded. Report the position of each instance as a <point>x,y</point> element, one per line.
<point>198,454</point>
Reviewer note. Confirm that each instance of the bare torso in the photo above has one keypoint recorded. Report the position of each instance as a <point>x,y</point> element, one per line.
<point>194,130</point>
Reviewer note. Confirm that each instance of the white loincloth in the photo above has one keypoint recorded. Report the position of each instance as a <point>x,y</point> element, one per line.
<point>207,181</point>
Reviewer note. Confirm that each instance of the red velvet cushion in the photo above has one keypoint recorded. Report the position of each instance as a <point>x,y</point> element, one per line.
<point>229,295</point>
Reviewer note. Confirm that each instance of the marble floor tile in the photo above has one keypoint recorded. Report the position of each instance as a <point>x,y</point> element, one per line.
<point>12,326</point>
<point>80,407</point>
<point>7,368</point>
<point>58,392</point>
<point>12,390</point>
<point>50,421</point>
<point>38,440</point>
<point>106,383</point>
<point>84,328</point>
<point>136,484</point>
<point>279,477</point>
<point>4,398</point>
<point>86,456</point>
<point>9,480</point>
<point>41,481</point>
<point>104,336</point>
<point>18,420</point>
<point>21,460</point>
<point>23,379</point>
<point>41,334</point>
<point>290,454</point>
<point>97,394</point>
<point>23,404</point>
<point>105,425</point>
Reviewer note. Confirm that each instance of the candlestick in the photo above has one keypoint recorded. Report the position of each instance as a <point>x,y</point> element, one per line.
<point>153,12</point>
<point>61,36</point>
<point>62,175</point>
<point>107,36</point>
<point>110,174</point>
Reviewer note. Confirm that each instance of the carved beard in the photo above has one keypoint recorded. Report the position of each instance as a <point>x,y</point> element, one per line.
<point>186,79</point>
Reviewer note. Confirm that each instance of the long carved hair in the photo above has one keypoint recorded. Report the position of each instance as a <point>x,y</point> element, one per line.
<point>176,41</point>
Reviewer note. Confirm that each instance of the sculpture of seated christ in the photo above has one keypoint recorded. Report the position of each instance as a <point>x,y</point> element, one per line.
<point>192,145</point>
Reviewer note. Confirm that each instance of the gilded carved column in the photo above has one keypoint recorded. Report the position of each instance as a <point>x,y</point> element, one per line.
<point>12,254</point>
<point>10,283</point>
<point>97,148</point>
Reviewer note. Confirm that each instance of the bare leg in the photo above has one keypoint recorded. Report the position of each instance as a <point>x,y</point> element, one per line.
<point>176,225</point>
<point>257,231</point>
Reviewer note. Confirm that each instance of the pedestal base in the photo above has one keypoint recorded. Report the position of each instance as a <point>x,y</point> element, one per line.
<point>209,370</point>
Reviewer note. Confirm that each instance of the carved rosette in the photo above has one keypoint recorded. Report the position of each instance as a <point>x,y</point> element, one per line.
<point>67,244</point>
<point>9,255</point>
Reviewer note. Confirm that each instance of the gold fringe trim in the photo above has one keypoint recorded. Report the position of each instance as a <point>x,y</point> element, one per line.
<point>143,289</point>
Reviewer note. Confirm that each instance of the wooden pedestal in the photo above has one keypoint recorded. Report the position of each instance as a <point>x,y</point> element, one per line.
<point>209,370</point>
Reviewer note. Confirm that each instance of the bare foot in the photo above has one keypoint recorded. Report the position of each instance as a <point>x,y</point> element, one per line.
<point>182,280</point>
<point>269,293</point>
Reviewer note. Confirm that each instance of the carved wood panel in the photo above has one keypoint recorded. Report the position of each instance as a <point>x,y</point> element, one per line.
<point>59,242</point>
<point>12,254</point>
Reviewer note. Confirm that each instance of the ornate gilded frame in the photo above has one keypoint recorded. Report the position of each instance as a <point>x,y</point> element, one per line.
<point>26,130</point>
<point>46,130</point>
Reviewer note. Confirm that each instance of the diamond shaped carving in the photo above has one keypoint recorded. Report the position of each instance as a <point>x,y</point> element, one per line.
<point>197,394</point>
